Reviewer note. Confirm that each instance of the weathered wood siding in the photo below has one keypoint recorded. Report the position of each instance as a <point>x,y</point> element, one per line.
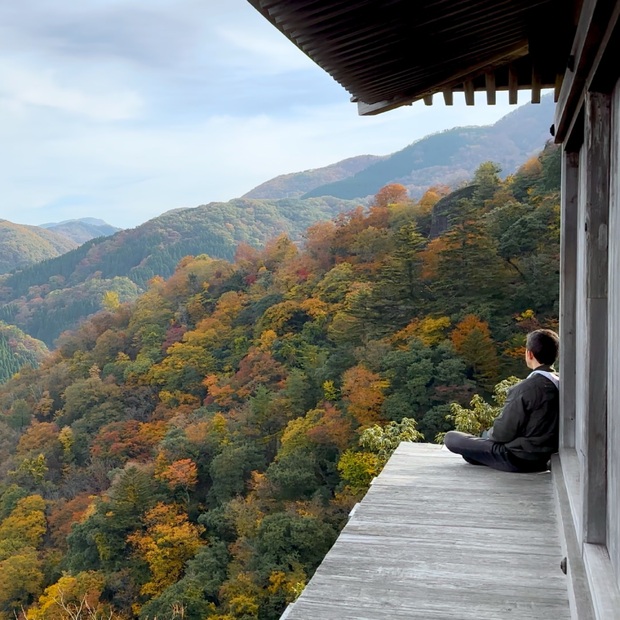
<point>597,134</point>
<point>568,297</point>
<point>581,333</point>
<point>613,421</point>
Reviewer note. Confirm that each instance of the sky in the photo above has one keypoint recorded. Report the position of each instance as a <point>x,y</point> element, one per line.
<point>124,109</point>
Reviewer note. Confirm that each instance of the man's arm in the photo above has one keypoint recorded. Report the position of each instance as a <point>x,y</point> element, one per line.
<point>509,424</point>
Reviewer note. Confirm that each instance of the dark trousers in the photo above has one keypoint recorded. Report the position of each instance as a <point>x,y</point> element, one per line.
<point>479,451</point>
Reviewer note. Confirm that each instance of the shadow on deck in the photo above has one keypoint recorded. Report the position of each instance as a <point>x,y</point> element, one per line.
<point>437,538</point>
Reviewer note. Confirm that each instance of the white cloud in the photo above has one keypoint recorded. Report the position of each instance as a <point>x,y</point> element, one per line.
<point>270,54</point>
<point>28,87</point>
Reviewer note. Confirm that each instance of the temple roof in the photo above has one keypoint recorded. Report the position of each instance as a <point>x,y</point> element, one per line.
<point>389,53</point>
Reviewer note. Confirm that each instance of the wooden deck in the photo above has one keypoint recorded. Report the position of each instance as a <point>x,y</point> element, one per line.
<point>436,538</point>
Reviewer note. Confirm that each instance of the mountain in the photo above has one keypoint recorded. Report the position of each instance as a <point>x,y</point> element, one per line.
<point>51,296</point>
<point>83,229</point>
<point>446,158</point>
<point>194,454</point>
<point>297,184</point>
<point>22,245</point>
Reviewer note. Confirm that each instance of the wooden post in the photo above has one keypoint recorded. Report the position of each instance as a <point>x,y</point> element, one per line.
<point>513,86</point>
<point>597,173</point>
<point>490,86</point>
<point>468,88</point>
<point>613,392</point>
<point>568,298</point>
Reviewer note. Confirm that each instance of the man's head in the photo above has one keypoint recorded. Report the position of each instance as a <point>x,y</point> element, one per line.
<point>541,347</point>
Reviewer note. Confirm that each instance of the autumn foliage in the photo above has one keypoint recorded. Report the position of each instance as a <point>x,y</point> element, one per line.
<point>195,452</point>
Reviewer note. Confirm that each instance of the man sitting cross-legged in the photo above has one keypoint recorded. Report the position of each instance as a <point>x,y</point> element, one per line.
<point>525,434</point>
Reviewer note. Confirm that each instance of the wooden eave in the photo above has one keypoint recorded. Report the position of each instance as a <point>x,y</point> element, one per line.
<point>389,53</point>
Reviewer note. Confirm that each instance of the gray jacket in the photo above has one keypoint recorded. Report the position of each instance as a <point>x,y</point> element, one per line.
<point>529,423</point>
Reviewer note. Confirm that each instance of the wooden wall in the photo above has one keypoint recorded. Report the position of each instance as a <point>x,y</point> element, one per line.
<point>613,394</point>
<point>581,333</point>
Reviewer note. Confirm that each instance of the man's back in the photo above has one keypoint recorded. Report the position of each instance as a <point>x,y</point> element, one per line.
<point>529,422</point>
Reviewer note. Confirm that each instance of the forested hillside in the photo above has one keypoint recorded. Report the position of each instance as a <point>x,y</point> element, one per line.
<point>194,454</point>
<point>22,245</point>
<point>18,349</point>
<point>54,295</point>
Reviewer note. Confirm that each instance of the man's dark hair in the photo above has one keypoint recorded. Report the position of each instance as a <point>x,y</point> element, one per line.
<point>544,345</point>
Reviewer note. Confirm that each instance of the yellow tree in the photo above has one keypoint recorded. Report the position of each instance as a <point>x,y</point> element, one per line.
<point>21,578</point>
<point>24,527</point>
<point>72,598</point>
<point>363,391</point>
<point>169,541</point>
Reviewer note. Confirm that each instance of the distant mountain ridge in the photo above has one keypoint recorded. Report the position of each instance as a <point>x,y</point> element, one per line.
<point>54,295</point>
<point>22,245</point>
<point>446,158</point>
<point>296,184</point>
<point>82,229</point>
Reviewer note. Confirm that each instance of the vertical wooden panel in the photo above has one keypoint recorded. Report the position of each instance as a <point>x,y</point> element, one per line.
<point>613,395</point>
<point>581,333</point>
<point>568,297</point>
<point>597,145</point>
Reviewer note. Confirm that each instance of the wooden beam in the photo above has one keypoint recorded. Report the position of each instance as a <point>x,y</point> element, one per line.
<point>597,145</point>
<point>447,96</point>
<point>468,89</point>
<point>428,99</point>
<point>513,53</point>
<point>568,297</point>
<point>535,85</point>
<point>489,77</point>
<point>558,85</point>
<point>597,22</point>
<point>513,86</point>
<point>371,109</point>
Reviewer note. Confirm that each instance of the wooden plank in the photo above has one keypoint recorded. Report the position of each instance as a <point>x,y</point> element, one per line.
<point>447,96</point>
<point>436,538</point>
<point>578,587</point>
<point>605,594</point>
<point>428,99</point>
<point>568,297</point>
<point>597,145</point>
